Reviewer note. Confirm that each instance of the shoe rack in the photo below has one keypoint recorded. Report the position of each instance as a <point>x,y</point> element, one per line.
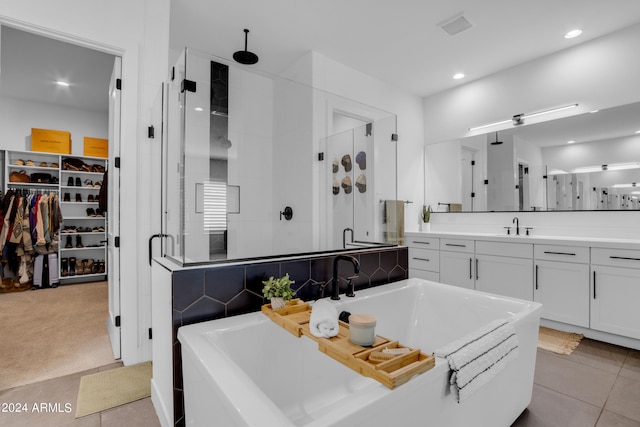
<point>82,251</point>
<point>83,234</point>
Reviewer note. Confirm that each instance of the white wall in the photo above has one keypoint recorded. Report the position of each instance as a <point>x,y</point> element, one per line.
<point>18,116</point>
<point>597,74</point>
<point>137,30</point>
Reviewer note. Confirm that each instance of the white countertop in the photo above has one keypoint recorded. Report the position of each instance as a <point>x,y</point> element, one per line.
<point>598,242</point>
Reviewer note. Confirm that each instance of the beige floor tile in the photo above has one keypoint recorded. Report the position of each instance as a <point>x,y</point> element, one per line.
<point>48,403</point>
<point>596,354</point>
<point>139,413</point>
<point>625,398</point>
<point>631,366</point>
<point>549,408</point>
<point>582,382</point>
<point>609,419</point>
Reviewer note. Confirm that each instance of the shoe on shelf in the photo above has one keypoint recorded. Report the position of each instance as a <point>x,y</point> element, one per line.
<point>29,163</point>
<point>70,182</point>
<point>91,212</point>
<point>72,266</point>
<point>64,262</point>
<point>69,243</point>
<point>18,162</point>
<point>78,182</point>
<point>97,184</point>
<point>80,266</point>
<point>88,183</point>
<point>88,266</point>
<point>99,212</point>
<point>67,197</point>
<point>79,244</point>
<point>55,165</point>
<point>90,198</point>
<point>78,198</point>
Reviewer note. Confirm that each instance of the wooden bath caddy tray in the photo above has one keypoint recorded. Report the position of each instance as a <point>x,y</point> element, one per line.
<point>294,317</point>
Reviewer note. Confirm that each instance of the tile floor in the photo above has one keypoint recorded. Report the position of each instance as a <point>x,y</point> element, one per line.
<point>64,390</point>
<point>598,385</point>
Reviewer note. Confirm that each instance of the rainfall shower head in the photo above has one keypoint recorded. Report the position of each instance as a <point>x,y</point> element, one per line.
<point>244,56</point>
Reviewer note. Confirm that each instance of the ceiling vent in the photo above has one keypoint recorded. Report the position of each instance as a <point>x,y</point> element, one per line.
<point>456,26</point>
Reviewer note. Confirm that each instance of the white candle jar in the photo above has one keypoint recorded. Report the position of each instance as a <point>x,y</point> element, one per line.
<point>362,329</point>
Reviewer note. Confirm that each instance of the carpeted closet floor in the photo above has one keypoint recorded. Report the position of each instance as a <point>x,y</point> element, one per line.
<point>49,333</point>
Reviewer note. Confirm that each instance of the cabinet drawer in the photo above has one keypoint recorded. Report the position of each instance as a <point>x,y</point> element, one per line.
<point>424,259</point>
<point>423,242</point>
<point>456,245</point>
<point>422,274</point>
<point>513,250</point>
<point>561,253</point>
<point>616,257</point>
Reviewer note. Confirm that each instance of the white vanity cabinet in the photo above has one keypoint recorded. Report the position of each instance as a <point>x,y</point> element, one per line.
<point>424,257</point>
<point>457,262</point>
<point>561,283</point>
<point>615,291</point>
<point>504,269</point>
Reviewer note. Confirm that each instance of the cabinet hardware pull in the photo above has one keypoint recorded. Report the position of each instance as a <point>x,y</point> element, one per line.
<point>453,244</point>
<point>624,257</point>
<point>536,276</point>
<point>422,243</point>
<point>421,259</point>
<point>594,284</point>
<point>559,253</point>
<point>477,269</point>
<point>470,268</point>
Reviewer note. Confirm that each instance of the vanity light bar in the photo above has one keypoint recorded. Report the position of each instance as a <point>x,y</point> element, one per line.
<point>521,117</point>
<point>612,167</point>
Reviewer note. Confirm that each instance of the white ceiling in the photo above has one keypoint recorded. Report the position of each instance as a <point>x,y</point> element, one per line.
<point>30,65</point>
<point>397,41</point>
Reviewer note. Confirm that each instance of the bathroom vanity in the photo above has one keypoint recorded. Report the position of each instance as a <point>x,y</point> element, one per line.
<point>586,285</point>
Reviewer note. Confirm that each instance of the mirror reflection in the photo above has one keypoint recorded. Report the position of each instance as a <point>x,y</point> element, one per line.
<point>588,161</point>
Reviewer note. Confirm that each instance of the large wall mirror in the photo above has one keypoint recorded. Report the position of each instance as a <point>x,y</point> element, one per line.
<point>584,162</point>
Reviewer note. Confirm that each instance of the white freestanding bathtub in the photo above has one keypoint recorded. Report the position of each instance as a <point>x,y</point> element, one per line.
<point>247,371</point>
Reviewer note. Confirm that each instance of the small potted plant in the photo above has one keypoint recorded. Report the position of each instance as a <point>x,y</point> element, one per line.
<point>426,216</point>
<point>278,290</point>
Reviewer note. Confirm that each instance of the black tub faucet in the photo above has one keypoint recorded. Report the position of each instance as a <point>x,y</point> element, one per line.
<point>516,221</point>
<point>335,283</point>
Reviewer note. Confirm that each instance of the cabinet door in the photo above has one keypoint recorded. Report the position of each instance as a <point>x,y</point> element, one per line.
<point>563,290</point>
<point>511,277</point>
<point>456,268</point>
<point>615,293</point>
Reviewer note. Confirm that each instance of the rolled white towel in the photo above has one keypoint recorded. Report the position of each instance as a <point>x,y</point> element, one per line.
<point>324,319</point>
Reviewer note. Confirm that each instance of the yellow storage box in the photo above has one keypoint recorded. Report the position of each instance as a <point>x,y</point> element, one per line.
<point>50,141</point>
<point>96,147</point>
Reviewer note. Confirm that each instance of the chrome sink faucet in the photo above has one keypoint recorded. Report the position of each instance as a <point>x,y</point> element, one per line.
<point>335,283</point>
<point>516,221</point>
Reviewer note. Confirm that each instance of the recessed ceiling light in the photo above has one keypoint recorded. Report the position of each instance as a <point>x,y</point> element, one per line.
<point>638,131</point>
<point>571,142</point>
<point>199,109</point>
<point>594,111</point>
<point>458,76</point>
<point>573,33</point>
<point>62,83</point>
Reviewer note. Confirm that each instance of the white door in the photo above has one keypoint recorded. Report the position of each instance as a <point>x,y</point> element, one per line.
<point>511,277</point>
<point>615,293</point>
<point>113,209</point>
<point>563,290</point>
<point>456,268</point>
<point>468,160</point>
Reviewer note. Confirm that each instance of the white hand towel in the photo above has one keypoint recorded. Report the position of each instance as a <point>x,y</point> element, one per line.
<point>324,319</point>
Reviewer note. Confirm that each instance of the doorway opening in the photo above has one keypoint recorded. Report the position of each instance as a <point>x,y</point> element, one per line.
<point>55,85</point>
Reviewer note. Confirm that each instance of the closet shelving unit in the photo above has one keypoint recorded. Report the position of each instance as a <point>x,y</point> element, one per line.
<point>75,213</point>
